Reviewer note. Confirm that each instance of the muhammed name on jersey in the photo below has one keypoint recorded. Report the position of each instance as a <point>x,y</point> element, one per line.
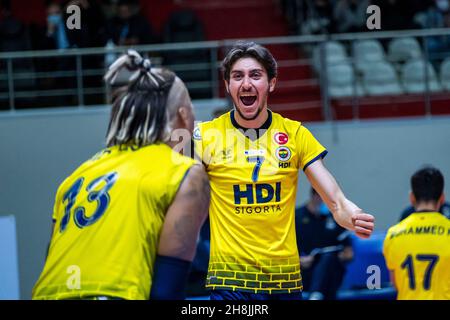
<point>421,230</point>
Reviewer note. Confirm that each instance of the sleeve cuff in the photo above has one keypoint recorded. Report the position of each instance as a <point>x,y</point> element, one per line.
<point>320,156</point>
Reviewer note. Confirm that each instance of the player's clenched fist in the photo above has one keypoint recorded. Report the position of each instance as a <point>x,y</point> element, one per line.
<point>363,224</point>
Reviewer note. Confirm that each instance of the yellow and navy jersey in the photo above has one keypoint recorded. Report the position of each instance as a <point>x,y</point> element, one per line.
<point>417,251</point>
<point>253,189</point>
<point>108,216</point>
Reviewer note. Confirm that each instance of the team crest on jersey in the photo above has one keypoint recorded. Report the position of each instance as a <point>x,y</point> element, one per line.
<point>281,138</point>
<point>196,134</point>
<point>283,153</point>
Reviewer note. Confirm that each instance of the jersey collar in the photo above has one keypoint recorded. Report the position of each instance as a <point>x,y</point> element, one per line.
<point>259,130</point>
<point>426,211</point>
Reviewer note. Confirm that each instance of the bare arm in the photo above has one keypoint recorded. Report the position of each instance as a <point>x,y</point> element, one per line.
<point>346,213</point>
<point>186,216</point>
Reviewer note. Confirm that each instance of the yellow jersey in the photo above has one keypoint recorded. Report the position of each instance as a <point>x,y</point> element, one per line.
<point>417,251</point>
<point>108,216</point>
<point>252,211</point>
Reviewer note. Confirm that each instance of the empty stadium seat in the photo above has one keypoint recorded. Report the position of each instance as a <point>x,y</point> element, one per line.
<point>341,81</point>
<point>414,77</point>
<point>403,49</point>
<point>445,74</point>
<point>380,78</point>
<point>335,53</point>
<point>366,52</point>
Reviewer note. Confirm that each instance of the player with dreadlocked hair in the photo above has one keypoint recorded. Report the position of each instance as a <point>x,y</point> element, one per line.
<point>143,109</point>
<point>129,217</point>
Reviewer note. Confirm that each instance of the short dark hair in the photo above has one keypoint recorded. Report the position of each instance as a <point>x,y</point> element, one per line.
<point>427,184</point>
<point>244,49</point>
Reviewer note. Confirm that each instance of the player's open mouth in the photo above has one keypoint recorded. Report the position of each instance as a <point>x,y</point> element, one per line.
<point>248,100</point>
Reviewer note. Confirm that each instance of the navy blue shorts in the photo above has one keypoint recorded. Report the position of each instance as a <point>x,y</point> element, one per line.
<point>238,295</point>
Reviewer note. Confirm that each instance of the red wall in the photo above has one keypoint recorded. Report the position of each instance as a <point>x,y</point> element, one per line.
<point>29,11</point>
<point>157,12</point>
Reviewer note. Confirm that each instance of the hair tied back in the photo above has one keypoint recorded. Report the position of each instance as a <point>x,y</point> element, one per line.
<point>139,61</point>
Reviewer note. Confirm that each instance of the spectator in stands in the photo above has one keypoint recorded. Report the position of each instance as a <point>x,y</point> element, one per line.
<point>56,35</point>
<point>324,246</point>
<point>397,14</point>
<point>350,15</point>
<point>56,27</point>
<point>14,34</point>
<point>319,17</point>
<point>129,27</point>
<point>293,11</point>
<point>53,36</point>
<point>185,26</point>
<point>429,16</point>
<point>435,14</point>
<point>92,31</point>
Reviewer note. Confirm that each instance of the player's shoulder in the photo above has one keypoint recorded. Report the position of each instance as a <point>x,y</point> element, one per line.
<point>87,167</point>
<point>71,178</point>
<point>278,118</point>
<point>441,219</point>
<point>179,158</point>
<point>161,154</point>
<point>292,127</point>
<point>87,164</point>
<point>399,226</point>
<point>403,224</point>
<point>210,128</point>
<point>393,229</point>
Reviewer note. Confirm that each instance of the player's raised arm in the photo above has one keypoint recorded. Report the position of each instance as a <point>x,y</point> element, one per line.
<point>179,235</point>
<point>345,212</point>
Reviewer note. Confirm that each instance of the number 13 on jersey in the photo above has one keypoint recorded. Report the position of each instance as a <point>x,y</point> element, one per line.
<point>97,191</point>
